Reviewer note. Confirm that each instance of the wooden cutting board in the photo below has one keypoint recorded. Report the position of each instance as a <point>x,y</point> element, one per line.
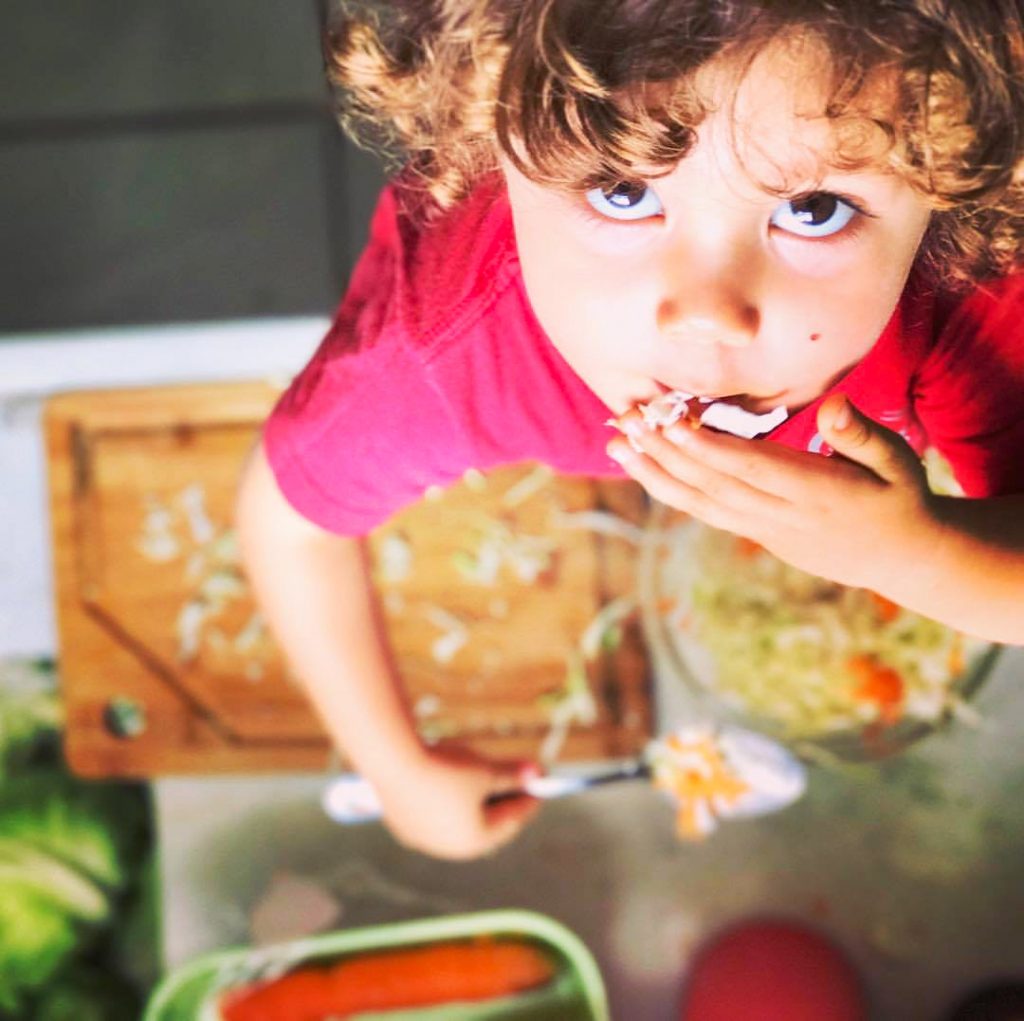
<point>509,600</point>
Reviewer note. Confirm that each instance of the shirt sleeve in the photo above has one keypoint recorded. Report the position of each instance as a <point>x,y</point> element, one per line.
<point>363,430</point>
<point>969,392</point>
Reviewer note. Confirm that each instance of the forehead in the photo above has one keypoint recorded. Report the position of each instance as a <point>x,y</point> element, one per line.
<point>782,114</point>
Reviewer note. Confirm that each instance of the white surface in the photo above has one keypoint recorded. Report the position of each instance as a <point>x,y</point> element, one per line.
<point>35,366</point>
<point>917,867</point>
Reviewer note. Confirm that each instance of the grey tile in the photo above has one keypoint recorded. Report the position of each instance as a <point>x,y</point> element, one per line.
<point>165,227</point>
<point>69,58</point>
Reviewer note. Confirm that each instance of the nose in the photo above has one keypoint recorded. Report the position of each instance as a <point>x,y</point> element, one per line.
<point>708,308</point>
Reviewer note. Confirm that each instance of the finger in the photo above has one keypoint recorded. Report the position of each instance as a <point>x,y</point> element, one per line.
<point>675,493</point>
<point>858,438</point>
<point>767,467</point>
<point>733,476</point>
<point>507,817</point>
<point>689,485</point>
<point>511,775</point>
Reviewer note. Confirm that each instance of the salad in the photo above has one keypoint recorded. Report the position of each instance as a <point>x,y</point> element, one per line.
<point>806,657</point>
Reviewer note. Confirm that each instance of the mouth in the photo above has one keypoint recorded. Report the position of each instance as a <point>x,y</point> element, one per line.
<point>754,404</point>
<point>738,414</point>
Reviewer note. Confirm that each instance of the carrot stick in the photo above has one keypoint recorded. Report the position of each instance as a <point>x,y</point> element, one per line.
<point>393,979</point>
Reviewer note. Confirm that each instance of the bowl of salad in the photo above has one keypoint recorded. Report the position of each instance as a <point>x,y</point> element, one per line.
<point>832,671</point>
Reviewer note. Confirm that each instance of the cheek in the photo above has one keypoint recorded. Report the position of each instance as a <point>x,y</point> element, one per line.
<point>844,308</point>
<point>821,260</point>
<point>819,329</point>
<point>577,293</point>
<point>558,293</point>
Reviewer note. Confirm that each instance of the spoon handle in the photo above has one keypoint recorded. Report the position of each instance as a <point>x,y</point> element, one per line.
<point>350,799</point>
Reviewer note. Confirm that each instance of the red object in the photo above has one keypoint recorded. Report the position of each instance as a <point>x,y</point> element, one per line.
<point>436,363</point>
<point>773,971</point>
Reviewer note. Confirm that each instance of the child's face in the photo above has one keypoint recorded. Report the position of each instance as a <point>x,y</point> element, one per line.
<point>701,280</point>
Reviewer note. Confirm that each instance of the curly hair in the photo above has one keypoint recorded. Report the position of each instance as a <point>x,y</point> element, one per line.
<point>582,93</point>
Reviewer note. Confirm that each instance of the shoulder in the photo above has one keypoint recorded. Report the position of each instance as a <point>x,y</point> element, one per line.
<point>450,266</point>
<point>992,307</point>
<point>983,325</point>
<point>420,285</point>
<point>970,389</point>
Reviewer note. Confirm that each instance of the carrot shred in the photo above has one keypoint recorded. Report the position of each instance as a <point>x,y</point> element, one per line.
<point>887,610</point>
<point>747,548</point>
<point>956,662</point>
<point>424,976</point>
<point>697,786</point>
<point>878,684</point>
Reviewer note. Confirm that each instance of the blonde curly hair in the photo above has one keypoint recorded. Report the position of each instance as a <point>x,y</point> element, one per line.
<point>563,89</point>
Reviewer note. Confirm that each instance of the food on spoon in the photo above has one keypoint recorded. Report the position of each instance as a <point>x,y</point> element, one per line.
<point>447,974</point>
<point>716,773</point>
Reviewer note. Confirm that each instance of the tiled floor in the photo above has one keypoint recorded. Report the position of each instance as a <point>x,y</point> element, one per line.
<point>169,162</point>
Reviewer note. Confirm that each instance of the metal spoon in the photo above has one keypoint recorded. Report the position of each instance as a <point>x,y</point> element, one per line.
<point>773,775</point>
<point>352,799</point>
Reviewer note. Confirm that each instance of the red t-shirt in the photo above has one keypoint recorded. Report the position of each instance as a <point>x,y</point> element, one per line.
<point>435,364</point>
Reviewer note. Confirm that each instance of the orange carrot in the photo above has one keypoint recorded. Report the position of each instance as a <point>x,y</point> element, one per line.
<point>697,785</point>
<point>747,548</point>
<point>424,976</point>
<point>878,684</point>
<point>956,657</point>
<point>887,609</point>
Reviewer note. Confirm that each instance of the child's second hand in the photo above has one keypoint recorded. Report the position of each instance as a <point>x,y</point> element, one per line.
<point>770,778</point>
<point>351,799</point>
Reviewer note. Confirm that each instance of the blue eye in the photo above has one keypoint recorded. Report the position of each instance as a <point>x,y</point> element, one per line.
<point>627,200</point>
<point>817,215</point>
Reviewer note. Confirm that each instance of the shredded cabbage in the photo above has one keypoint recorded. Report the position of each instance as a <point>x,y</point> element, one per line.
<point>812,657</point>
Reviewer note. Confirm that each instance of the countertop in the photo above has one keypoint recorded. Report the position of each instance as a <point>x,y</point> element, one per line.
<point>915,865</point>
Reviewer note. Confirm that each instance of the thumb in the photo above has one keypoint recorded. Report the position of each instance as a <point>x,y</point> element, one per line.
<point>859,439</point>
<point>508,805</point>
<point>506,817</point>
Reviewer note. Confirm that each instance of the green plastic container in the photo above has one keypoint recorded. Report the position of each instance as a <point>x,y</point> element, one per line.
<point>576,994</point>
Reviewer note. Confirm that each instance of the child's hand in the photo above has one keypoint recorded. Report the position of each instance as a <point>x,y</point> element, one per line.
<point>863,519</point>
<point>440,806</point>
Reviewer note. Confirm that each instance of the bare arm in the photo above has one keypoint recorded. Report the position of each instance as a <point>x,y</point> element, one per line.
<point>315,591</point>
<point>976,578</point>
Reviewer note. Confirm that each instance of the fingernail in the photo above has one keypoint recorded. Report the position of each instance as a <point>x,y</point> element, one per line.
<point>529,771</point>
<point>843,418</point>
<point>632,427</point>
<point>619,453</point>
<point>679,434</point>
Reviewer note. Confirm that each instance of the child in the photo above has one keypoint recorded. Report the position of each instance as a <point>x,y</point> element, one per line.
<point>770,204</point>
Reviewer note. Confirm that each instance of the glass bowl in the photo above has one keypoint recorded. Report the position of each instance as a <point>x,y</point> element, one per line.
<point>832,672</point>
